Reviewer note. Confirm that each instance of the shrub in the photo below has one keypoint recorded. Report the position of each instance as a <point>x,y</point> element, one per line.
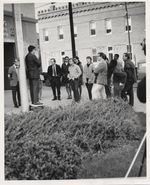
<point>51,144</point>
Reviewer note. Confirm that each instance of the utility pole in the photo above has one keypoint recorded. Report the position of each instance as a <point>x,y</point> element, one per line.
<point>72,30</point>
<point>127,17</point>
<point>20,55</point>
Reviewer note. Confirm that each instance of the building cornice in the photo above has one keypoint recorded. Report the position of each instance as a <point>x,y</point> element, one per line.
<point>79,8</point>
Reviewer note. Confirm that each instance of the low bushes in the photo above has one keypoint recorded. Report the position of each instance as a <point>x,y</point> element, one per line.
<point>51,144</point>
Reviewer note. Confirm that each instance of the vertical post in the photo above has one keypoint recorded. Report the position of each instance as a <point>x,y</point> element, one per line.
<point>72,30</point>
<point>127,17</point>
<point>20,53</point>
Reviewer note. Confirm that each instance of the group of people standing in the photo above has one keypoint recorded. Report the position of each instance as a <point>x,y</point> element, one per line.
<point>69,74</point>
<point>102,79</point>
<point>99,77</point>
<point>33,71</point>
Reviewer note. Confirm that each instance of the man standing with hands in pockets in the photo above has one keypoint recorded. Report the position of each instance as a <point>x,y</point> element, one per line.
<point>74,74</point>
<point>14,83</point>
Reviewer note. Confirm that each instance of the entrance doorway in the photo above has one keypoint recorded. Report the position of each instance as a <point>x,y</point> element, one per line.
<point>9,57</point>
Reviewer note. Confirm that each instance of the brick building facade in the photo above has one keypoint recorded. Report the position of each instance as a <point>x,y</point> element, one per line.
<point>97,26</point>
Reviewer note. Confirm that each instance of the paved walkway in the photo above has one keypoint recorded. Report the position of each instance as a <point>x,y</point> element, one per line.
<point>47,100</point>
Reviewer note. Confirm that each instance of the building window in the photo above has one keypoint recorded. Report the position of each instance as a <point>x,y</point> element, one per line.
<point>110,53</point>
<point>60,33</point>
<point>62,53</point>
<point>108,26</point>
<point>92,28</point>
<point>76,53</point>
<point>45,35</point>
<point>94,53</point>
<point>129,50</point>
<point>128,27</point>
<point>75,31</point>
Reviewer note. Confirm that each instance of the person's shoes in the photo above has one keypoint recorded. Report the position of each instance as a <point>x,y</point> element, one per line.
<point>16,106</point>
<point>69,97</point>
<point>38,103</point>
<point>19,104</point>
<point>59,98</point>
<point>54,99</point>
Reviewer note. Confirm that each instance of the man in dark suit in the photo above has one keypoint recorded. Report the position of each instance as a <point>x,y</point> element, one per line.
<point>54,74</point>
<point>14,83</point>
<point>33,73</point>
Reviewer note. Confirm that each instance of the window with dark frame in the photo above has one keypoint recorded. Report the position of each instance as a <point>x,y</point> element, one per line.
<point>75,31</point>
<point>110,53</point>
<point>109,48</point>
<point>92,28</point>
<point>76,53</point>
<point>62,53</point>
<point>128,26</point>
<point>45,35</point>
<point>94,53</point>
<point>110,56</point>
<point>60,33</point>
<point>108,26</point>
<point>129,48</point>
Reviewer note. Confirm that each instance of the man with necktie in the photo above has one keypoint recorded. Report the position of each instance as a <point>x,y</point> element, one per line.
<point>14,83</point>
<point>54,74</point>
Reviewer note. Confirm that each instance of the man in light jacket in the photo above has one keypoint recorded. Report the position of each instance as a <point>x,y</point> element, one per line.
<point>88,76</point>
<point>100,70</point>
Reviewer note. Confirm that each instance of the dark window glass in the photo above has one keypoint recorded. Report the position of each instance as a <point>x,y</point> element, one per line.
<point>62,53</point>
<point>108,30</point>
<point>46,38</point>
<point>94,58</point>
<point>93,32</point>
<point>128,28</point>
<point>61,37</point>
<point>109,48</point>
<point>129,48</point>
<point>110,56</point>
<point>75,35</point>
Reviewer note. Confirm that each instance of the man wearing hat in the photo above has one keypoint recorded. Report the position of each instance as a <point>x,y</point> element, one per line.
<point>33,73</point>
<point>14,83</point>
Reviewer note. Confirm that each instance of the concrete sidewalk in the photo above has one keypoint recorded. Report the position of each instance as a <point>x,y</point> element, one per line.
<point>47,100</point>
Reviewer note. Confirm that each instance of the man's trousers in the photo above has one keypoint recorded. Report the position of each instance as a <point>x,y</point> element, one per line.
<point>34,90</point>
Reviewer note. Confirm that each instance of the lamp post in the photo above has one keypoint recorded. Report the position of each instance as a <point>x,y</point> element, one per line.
<point>72,30</point>
<point>129,40</point>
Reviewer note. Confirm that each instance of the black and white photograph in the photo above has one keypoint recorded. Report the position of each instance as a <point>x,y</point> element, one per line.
<point>75,90</point>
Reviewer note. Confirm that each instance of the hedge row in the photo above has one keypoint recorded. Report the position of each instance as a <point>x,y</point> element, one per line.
<point>51,144</point>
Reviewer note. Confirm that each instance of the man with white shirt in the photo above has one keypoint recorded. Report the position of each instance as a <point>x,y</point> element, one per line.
<point>14,83</point>
<point>54,75</point>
